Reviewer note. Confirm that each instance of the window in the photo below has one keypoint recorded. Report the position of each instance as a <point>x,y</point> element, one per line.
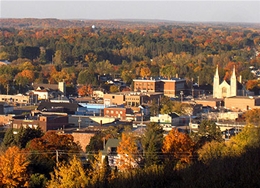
<point>112,111</point>
<point>113,97</point>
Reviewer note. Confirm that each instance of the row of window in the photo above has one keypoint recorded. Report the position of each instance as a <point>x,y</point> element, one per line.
<point>112,111</point>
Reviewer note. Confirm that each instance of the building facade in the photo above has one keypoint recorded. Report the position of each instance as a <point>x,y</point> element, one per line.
<point>225,89</point>
<point>169,87</point>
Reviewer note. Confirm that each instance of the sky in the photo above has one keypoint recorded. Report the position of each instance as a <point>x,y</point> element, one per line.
<point>172,10</point>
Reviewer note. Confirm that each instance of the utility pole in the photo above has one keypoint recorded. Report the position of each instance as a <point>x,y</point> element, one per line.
<point>79,122</point>
<point>57,156</point>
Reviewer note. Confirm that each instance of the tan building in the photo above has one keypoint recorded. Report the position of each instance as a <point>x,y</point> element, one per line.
<point>242,103</point>
<point>19,98</point>
<point>114,99</point>
<point>131,99</point>
<point>170,87</point>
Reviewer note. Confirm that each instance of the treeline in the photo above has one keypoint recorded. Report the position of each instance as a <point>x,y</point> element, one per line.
<point>144,49</point>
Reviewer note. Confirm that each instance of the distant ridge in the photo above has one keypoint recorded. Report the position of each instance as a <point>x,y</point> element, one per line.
<point>115,23</point>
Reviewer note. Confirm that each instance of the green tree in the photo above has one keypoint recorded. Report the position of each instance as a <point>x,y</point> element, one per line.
<point>38,181</point>
<point>9,139</point>
<point>208,131</point>
<point>152,142</point>
<point>25,135</point>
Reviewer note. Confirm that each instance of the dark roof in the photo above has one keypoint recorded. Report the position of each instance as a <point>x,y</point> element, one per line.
<point>69,108</point>
<point>174,115</point>
<point>45,86</point>
<point>112,142</point>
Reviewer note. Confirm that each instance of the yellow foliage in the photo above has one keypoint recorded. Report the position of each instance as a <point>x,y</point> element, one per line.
<point>13,167</point>
<point>68,175</point>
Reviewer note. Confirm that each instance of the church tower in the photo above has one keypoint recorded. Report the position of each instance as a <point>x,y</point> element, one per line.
<point>216,84</point>
<point>233,83</point>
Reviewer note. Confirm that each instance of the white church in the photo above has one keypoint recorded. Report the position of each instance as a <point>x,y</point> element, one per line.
<point>225,89</point>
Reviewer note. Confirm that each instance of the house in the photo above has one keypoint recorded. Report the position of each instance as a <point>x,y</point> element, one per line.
<point>110,150</point>
<point>49,91</point>
<point>167,121</point>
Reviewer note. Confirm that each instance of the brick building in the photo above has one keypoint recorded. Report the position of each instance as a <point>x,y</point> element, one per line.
<point>170,87</point>
<point>118,112</point>
<point>46,122</point>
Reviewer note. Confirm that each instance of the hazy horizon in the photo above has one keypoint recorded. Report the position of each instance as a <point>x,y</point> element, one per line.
<point>179,11</point>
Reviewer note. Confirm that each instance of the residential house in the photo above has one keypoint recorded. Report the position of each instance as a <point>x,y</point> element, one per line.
<point>167,121</point>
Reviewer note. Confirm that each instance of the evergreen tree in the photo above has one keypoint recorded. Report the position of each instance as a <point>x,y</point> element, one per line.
<point>152,142</point>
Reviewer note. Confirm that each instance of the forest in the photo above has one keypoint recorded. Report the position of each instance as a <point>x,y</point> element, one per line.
<point>50,50</point>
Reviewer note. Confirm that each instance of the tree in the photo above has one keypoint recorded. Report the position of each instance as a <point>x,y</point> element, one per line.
<point>85,90</point>
<point>178,146</point>
<point>68,175</point>
<point>13,168</point>
<point>9,139</point>
<point>99,171</point>
<point>207,132</point>
<point>38,180</point>
<point>211,150</point>
<point>49,146</point>
<point>253,117</point>
<point>128,152</point>
<point>25,135</point>
<point>152,141</point>
<point>145,72</point>
<point>113,89</point>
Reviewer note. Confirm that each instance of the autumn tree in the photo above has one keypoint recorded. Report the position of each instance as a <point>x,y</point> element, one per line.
<point>113,89</point>
<point>99,171</point>
<point>69,175</point>
<point>213,150</point>
<point>145,72</point>
<point>178,146</point>
<point>85,90</point>
<point>152,141</point>
<point>13,168</point>
<point>128,152</point>
<point>252,116</point>
<point>46,150</point>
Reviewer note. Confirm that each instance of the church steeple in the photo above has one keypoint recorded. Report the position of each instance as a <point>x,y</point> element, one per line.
<point>233,83</point>
<point>216,84</point>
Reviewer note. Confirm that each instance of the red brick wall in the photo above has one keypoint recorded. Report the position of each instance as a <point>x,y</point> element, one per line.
<point>115,113</point>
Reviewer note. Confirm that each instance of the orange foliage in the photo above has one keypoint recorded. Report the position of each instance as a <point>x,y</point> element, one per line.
<point>85,90</point>
<point>251,84</point>
<point>13,167</point>
<point>127,151</point>
<point>178,146</point>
